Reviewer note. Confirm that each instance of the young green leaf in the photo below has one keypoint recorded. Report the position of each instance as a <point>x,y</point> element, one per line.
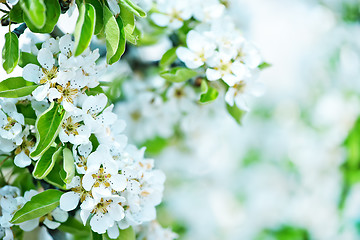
<point>26,58</point>
<point>112,33</point>
<point>133,8</point>
<point>99,21</point>
<point>84,28</point>
<point>69,166</point>
<point>46,163</point>
<point>156,145</point>
<point>38,206</point>
<point>47,127</point>
<point>235,112</point>
<point>178,74</point>
<point>16,14</point>
<point>210,95</point>
<point>122,43</point>
<point>34,12</point>
<point>264,65</point>
<point>54,176</point>
<point>52,15</point>
<point>168,58</point>
<point>10,52</point>
<point>16,87</point>
<point>128,20</point>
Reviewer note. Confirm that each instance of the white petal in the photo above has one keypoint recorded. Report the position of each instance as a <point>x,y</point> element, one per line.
<point>32,73</point>
<point>85,149</point>
<point>51,44</point>
<point>114,6</point>
<point>118,182</point>
<point>51,224</point>
<point>29,225</point>
<point>84,215</point>
<point>54,94</point>
<point>95,104</point>
<point>66,45</point>
<point>116,212</point>
<point>113,232</point>
<point>229,96</point>
<point>212,74</point>
<point>45,58</point>
<point>41,92</point>
<point>100,222</point>
<point>160,19</point>
<point>69,201</point>
<point>22,160</point>
<point>60,215</point>
<point>195,41</point>
<point>88,181</point>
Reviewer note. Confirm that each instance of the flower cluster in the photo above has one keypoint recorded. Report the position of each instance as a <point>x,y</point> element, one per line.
<point>11,201</point>
<point>215,45</point>
<point>114,183</point>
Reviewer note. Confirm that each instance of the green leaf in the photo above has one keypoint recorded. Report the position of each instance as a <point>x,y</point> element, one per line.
<point>38,206</point>
<point>127,234</point>
<point>168,58</point>
<point>10,52</point>
<point>52,15</point>
<point>128,20</point>
<point>84,28</point>
<point>156,145</point>
<point>34,12</point>
<point>16,87</point>
<point>204,86</point>
<point>16,14</point>
<point>46,163</point>
<point>210,95</point>
<point>112,33</point>
<point>133,8</point>
<point>178,74</point>
<point>47,127</point>
<point>54,176</point>
<point>122,43</point>
<point>74,227</point>
<point>69,165</point>
<point>264,65</point>
<point>26,58</point>
<point>99,21</point>
<point>236,113</point>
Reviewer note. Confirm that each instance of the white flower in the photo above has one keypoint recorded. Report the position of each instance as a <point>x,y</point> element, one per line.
<point>73,131</point>
<point>172,13</point>
<point>46,75</point>
<point>248,54</point>
<point>199,50</point>
<point>70,200</point>
<point>22,152</point>
<point>154,231</point>
<point>96,116</point>
<point>205,11</point>
<point>102,172</point>
<point>242,91</point>
<point>105,209</point>
<point>223,67</point>
<point>81,153</point>
<point>11,122</point>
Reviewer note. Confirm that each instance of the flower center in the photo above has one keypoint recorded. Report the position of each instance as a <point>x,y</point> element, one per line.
<point>49,74</point>
<point>102,206</point>
<point>101,178</point>
<point>70,127</point>
<point>67,93</point>
<point>240,87</point>
<point>10,124</point>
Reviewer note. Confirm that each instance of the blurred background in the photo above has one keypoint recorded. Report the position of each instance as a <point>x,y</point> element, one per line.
<point>291,171</point>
